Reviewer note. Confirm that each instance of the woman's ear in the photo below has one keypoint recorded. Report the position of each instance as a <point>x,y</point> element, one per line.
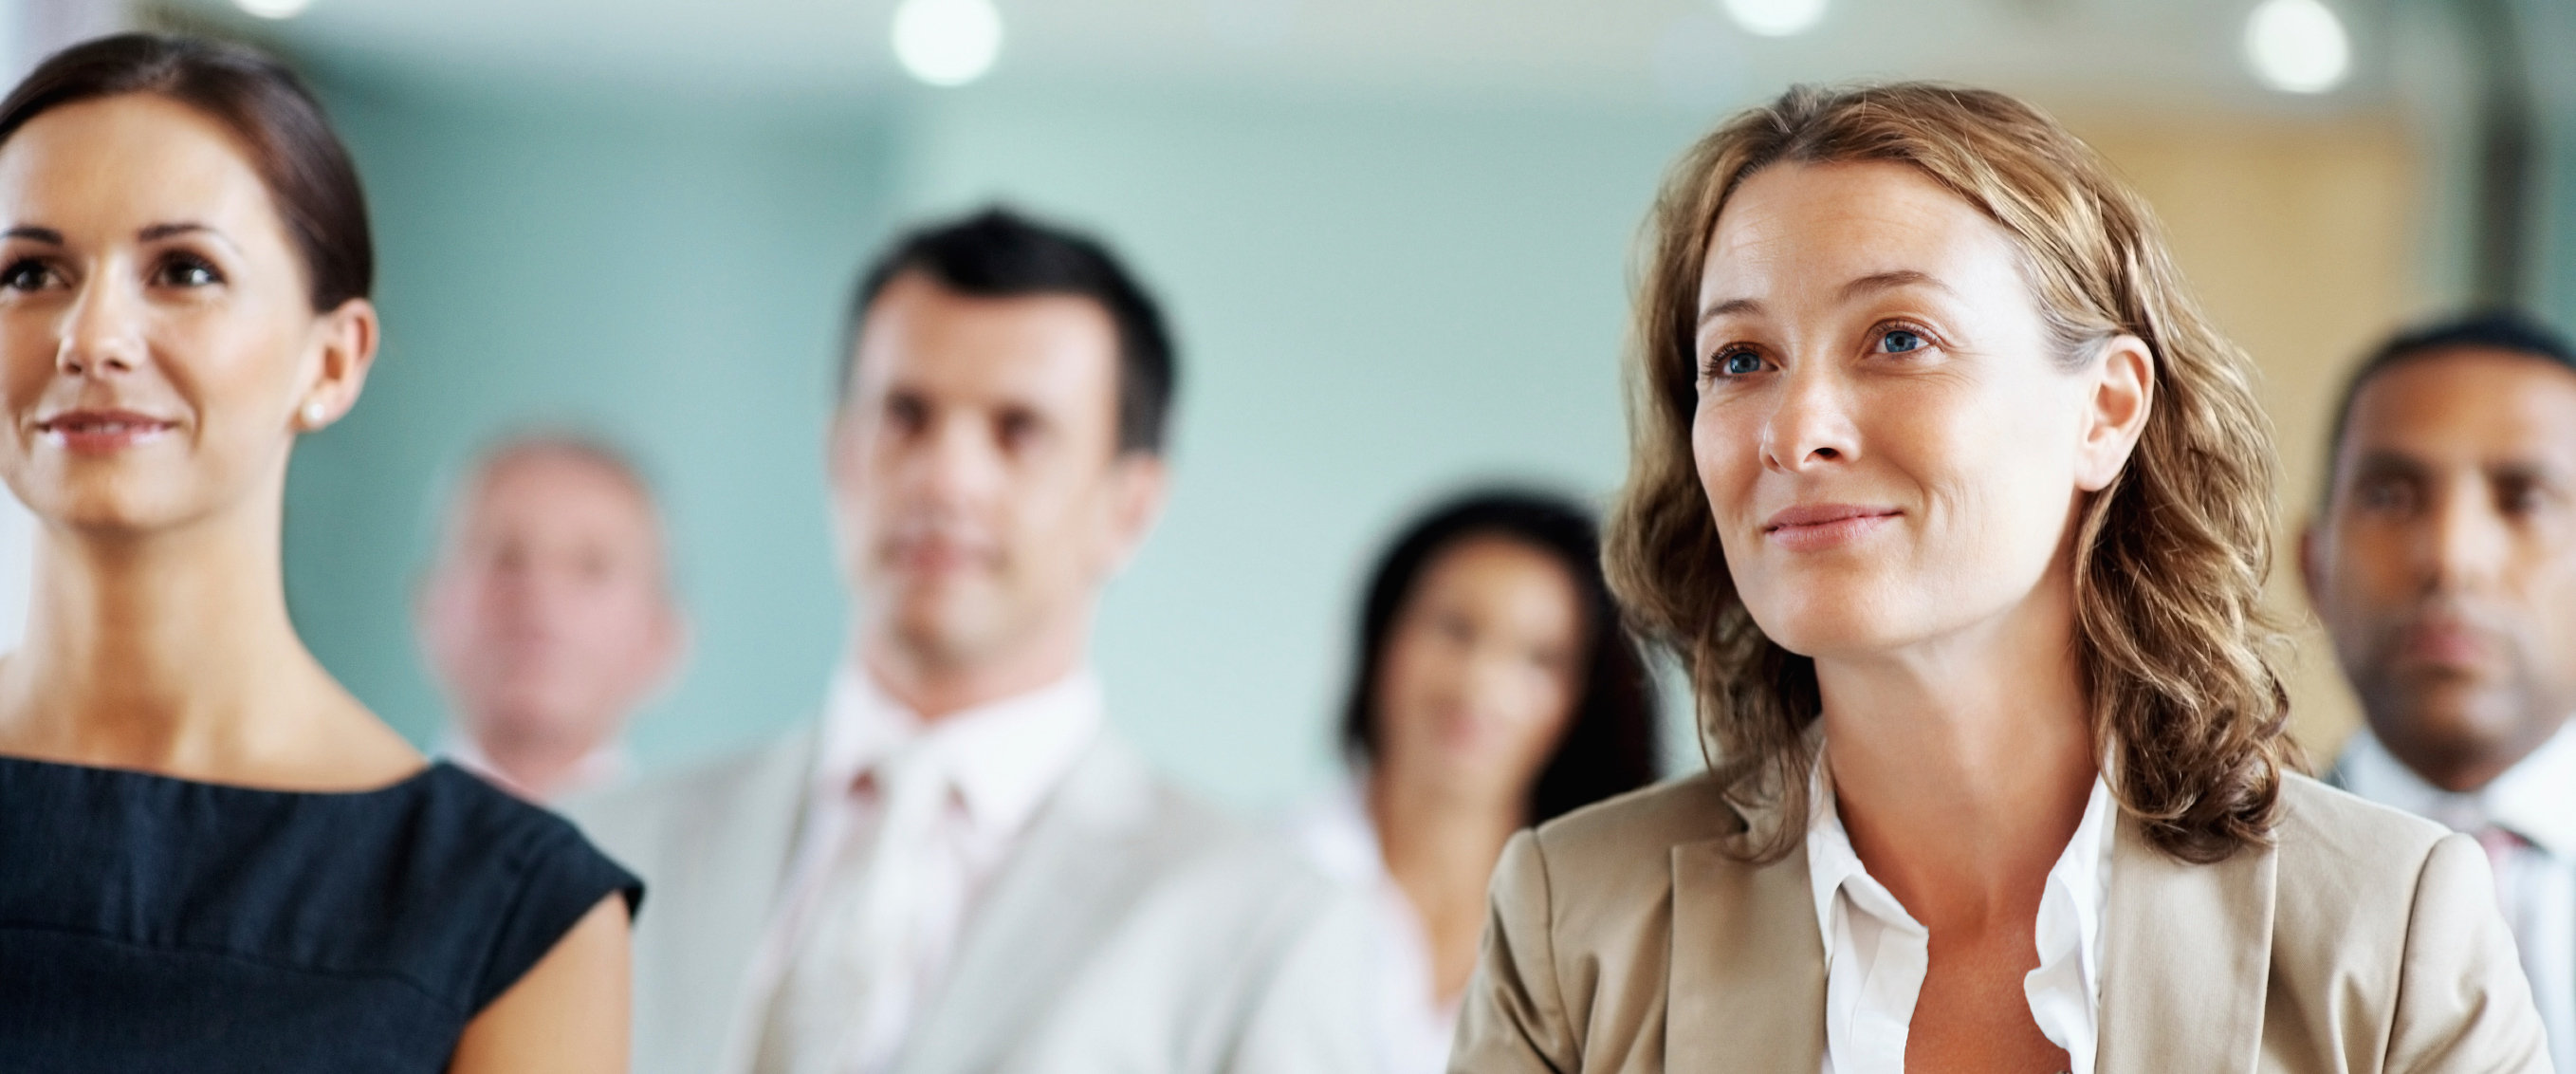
<point>346,351</point>
<point>2121,392</point>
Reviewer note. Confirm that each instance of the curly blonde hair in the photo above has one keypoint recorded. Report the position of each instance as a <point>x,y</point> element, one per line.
<point>2170,559</point>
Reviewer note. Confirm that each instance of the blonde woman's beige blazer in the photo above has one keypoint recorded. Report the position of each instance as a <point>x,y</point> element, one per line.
<point>2364,941</point>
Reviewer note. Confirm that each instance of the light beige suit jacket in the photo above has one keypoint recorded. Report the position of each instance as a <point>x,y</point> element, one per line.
<point>2365,941</point>
<point>1132,931</point>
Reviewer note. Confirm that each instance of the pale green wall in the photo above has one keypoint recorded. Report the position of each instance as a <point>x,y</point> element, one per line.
<point>1375,302</point>
<point>667,275</point>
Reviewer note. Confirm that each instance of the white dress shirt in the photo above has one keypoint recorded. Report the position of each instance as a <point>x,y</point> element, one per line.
<point>2533,807</point>
<point>993,766</point>
<point>1876,953</point>
<point>603,767</point>
<point>1409,1025</point>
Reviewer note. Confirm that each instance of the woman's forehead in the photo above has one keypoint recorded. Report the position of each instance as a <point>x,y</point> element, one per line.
<point>129,162</point>
<point>1815,230</point>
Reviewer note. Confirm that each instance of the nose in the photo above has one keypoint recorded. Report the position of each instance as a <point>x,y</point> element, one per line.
<point>1810,424</point>
<point>958,461</point>
<point>102,333</point>
<point>2464,540</point>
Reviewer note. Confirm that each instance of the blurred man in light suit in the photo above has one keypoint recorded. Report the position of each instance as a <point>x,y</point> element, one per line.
<point>959,868</point>
<point>2444,564</point>
<point>548,617</point>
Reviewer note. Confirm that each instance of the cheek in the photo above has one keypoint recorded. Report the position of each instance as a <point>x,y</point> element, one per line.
<point>1726,451</point>
<point>1998,465</point>
<point>235,365</point>
<point>27,352</point>
<point>1543,718</point>
<point>2551,589</point>
<point>1409,679</point>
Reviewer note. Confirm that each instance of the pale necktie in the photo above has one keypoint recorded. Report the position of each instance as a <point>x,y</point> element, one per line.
<point>847,989</point>
<point>2501,846</point>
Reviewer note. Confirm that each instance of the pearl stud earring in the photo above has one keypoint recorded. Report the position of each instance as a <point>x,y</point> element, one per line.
<point>313,415</point>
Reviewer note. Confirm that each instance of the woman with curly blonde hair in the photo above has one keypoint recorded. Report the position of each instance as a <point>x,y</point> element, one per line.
<point>1958,511</point>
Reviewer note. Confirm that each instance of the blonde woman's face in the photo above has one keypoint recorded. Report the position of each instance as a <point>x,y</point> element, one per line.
<point>1891,453</point>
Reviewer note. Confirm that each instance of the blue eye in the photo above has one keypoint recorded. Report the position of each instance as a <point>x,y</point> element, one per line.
<point>1901,341</point>
<point>1739,363</point>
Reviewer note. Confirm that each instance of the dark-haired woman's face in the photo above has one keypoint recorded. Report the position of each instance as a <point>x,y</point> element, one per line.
<point>158,345</point>
<point>1482,670</point>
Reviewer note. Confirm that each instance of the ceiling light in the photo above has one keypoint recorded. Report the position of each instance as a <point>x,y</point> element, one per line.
<point>1775,18</point>
<point>2297,46</point>
<point>946,42</point>
<point>274,9</point>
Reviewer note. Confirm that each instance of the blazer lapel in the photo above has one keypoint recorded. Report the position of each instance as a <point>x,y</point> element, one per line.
<point>2186,959</point>
<point>1082,863</point>
<point>743,842</point>
<point>1747,970</point>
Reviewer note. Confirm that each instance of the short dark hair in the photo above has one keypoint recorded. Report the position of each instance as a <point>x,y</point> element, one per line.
<point>998,253</point>
<point>302,163</point>
<point>1609,747</point>
<point>2500,329</point>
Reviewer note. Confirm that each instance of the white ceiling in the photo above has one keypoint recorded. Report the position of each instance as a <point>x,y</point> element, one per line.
<point>1685,51</point>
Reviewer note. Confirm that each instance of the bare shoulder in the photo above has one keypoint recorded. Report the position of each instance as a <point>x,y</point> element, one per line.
<point>569,1013</point>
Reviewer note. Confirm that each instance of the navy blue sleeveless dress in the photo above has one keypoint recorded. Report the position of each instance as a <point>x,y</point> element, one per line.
<point>158,924</point>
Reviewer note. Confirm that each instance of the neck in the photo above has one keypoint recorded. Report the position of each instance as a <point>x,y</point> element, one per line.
<point>167,651</point>
<point>1962,773</point>
<point>2463,770</point>
<point>936,681</point>
<point>1444,839</point>
<point>1440,846</point>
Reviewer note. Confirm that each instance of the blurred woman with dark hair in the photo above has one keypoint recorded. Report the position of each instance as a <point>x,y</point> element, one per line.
<point>1495,689</point>
<point>212,858</point>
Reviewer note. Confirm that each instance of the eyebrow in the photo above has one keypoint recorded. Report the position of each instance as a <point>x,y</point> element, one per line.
<point>2528,471</point>
<point>2384,463</point>
<point>154,233</point>
<point>158,232</point>
<point>1867,285</point>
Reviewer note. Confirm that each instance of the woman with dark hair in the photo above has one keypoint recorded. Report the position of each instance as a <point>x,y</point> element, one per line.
<point>1495,689</point>
<point>212,858</point>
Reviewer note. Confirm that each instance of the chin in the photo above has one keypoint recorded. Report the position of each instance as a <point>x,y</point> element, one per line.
<point>2456,716</point>
<point>104,507</point>
<point>1822,622</point>
<point>947,624</point>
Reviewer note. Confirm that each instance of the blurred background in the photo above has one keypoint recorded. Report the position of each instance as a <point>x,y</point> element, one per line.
<point>1395,237</point>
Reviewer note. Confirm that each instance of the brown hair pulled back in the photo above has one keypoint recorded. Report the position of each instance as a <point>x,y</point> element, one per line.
<point>282,129</point>
<point>2169,559</point>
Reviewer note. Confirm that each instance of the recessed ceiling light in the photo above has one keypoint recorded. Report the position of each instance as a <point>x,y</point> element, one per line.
<point>2297,46</point>
<point>1775,18</point>
<point>947,42</point>
<point>274,9</point>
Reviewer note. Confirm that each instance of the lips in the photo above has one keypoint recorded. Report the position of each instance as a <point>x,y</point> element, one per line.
<point>1819,526</point>
<point>2445,644</point>
<point>97,432</point>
